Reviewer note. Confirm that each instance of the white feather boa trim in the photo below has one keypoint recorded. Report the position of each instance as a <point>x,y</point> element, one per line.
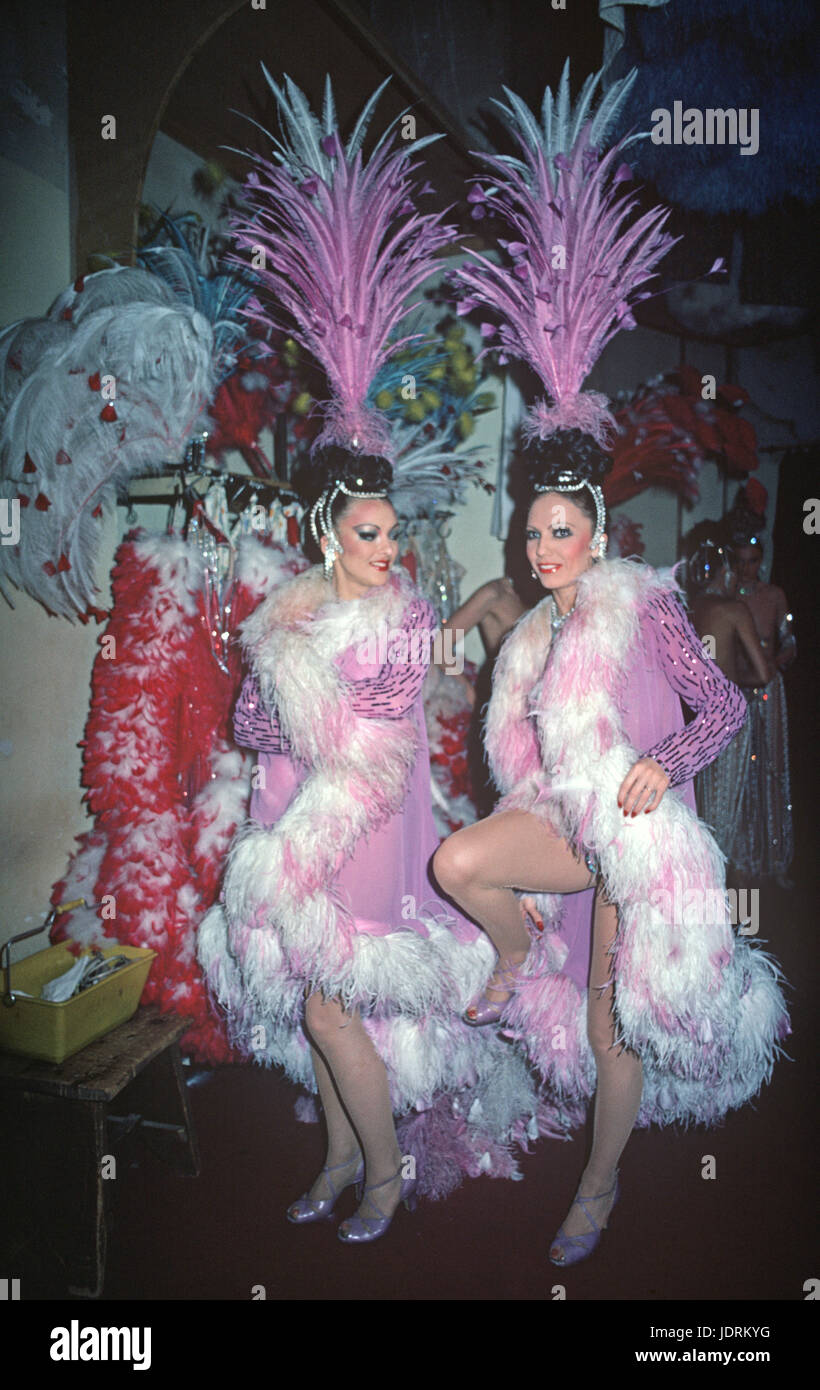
<point>410,989</point>
<point>279,880</point>
<point>704,1010</point>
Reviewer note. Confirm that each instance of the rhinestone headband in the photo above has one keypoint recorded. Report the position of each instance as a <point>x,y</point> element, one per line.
<point>567,481</point>
<point>320,512</point>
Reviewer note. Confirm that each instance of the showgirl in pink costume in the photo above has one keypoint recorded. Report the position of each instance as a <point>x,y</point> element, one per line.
<point>585,734</point>
<point>587,740</point>
<point>332,955</point>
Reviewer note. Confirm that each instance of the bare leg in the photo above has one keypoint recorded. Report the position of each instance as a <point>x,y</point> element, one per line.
<point>360,1108</point>
<point>620,1081</point>
<point>480,866</point>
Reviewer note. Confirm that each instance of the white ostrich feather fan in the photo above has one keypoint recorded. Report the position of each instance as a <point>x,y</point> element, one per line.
<point>110,383</point>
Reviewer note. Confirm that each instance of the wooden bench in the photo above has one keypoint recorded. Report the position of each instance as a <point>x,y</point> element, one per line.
<point>60,1127</point>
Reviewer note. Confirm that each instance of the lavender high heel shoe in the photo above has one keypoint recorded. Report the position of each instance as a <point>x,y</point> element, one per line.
<point>483,1011</point>
<point>576,1248</point>
<point>359,1229</point>
<point>307,1208</point>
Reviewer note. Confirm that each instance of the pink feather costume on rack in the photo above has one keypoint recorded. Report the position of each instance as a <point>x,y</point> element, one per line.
<point>327,886</point>
<point>566,721</point>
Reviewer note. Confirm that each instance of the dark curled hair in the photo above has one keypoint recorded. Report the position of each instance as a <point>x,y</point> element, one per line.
<point>567,451</point>
<point>359,472</point>
<point>743,523</point>
<point>743,530</point>
<point>705,551</point>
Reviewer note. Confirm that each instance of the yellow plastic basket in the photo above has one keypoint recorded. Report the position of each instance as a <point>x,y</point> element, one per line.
<point>51,1032</point>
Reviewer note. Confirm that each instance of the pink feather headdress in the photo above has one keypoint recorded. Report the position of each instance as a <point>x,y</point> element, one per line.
<point>343,249</point>
<point>578,258</point>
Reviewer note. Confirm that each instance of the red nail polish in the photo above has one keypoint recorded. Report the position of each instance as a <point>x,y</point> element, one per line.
<point>539,924</point>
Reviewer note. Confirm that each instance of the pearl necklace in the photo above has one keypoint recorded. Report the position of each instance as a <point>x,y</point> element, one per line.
<point>557,619</point>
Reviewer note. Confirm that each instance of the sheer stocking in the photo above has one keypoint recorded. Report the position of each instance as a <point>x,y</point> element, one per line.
<point>355,1094</point>
<point>343,1150</point>
<point>620,1081</point>
<point>480,866</point>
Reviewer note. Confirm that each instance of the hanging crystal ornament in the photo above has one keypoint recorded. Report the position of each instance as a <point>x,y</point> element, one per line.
<point>438,575</point>
<point>208,529</point>
<point>277,523</point>
<point>448,573</point>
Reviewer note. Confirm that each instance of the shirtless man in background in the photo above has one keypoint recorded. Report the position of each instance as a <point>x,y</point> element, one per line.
<point>724,621</point>
<point>767,604</point>
<point>493,609</point>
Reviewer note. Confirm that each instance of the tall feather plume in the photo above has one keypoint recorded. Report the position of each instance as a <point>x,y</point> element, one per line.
<point>428,475</point>
<point>344,249</point>
<point>577,256</point>
<point>67,444</point>
<point>200,282</point>
<point>562,123</point>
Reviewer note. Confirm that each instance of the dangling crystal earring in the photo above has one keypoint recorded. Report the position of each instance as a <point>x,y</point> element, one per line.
<point>532,572</point>
<point>330,557</point>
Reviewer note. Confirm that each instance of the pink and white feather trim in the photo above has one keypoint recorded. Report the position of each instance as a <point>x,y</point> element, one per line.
<point>703,1009</point>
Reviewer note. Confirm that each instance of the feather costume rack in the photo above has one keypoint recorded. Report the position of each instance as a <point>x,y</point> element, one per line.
<point>164,780</point>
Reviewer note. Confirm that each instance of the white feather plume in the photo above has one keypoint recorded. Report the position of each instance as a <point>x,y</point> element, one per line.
<point>69,440</point>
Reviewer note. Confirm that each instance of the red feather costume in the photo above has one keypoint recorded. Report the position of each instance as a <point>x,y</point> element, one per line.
<point>164,779</point>
<point>666,431</point>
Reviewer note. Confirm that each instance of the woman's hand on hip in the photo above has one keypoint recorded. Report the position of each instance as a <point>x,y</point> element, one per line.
<point>643,787</point>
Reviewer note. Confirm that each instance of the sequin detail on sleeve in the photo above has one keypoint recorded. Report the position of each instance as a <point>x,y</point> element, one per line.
<point>718,705</point>
<point>387,695</point>
<point>253,726</point>
<point>392,692</point>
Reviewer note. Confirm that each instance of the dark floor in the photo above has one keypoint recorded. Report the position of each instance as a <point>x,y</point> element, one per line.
<point>747,1234</point>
